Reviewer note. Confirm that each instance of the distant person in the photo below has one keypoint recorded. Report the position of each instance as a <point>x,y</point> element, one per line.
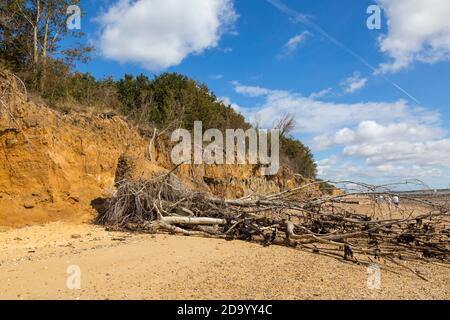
<point>396,201</point>
<point>389,202</point>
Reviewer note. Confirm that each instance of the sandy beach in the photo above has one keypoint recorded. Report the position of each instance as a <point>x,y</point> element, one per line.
<point>34,264</point>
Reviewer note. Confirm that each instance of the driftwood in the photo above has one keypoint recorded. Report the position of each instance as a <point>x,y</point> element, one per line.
<point>284,218</point>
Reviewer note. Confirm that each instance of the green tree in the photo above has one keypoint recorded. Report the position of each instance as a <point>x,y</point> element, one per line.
<point>31,32</point>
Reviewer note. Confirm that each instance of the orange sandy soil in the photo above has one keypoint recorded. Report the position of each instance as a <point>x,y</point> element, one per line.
<point>34,262</point>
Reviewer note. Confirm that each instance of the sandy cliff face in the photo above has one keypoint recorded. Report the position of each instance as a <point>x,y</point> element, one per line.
<point>53,165</point>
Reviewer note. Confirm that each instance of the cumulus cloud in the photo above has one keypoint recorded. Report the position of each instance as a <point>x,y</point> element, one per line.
<point>418,30</point>
<point>374,133</point>
<point>370,140</point>
<point>393,150</point>
<point>318,117</point>
<point>426,153</point>
<point>227,101</point>
<point>158,34</point>
<point>353,83</point>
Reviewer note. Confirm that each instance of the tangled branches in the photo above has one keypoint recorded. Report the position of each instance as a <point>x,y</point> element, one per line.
<point>343,225</point>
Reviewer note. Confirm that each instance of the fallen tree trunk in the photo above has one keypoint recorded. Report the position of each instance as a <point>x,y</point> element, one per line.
<point>193,220</point>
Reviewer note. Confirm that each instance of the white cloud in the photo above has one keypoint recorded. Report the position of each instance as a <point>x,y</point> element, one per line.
<point>321,94</point>
<point>227,101</point>
<point>406,150</point>
<point>419,30</point>
<point>353,83</point>
<point>216,76</point>
<point>251,91</point>
<point>424,153</point>
<point>158,34</point>
<point>294,42</point>
<point>373,141</point>
<point>226,50</point>
<point>387,173</point>
<point>318,117</point>
<point>372,132</point>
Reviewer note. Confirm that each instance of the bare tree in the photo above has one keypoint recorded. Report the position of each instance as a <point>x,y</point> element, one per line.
<point>286,124</point>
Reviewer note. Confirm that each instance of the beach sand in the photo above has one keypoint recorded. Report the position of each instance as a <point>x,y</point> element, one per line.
<point>34,262</point>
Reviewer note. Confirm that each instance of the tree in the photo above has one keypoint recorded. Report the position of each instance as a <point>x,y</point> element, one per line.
<point>15,50</point>
<point>286,125</point>
<point>31,32</point>
<point>298,157</point>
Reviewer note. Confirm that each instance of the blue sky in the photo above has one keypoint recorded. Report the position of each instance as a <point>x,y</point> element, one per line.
<point>379,123</point>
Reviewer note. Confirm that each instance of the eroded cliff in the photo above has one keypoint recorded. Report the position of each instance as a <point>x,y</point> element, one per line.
<point>53,165</point>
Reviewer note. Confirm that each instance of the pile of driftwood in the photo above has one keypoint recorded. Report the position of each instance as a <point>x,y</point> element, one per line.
<point>327,224</point>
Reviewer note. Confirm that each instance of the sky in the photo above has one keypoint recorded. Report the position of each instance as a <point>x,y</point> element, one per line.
<point>372,104</point>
